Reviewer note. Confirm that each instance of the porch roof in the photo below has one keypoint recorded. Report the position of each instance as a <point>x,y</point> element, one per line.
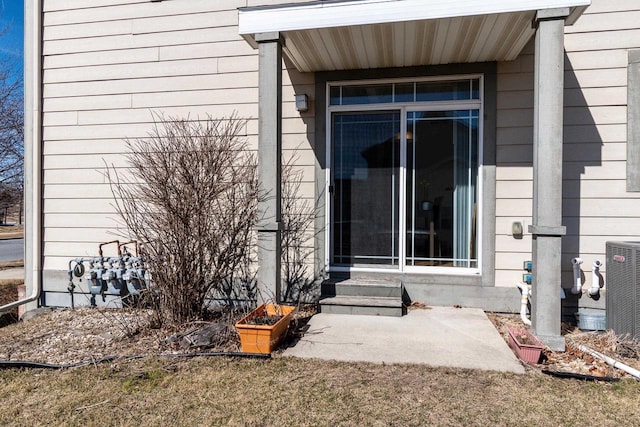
<point>360,34</point>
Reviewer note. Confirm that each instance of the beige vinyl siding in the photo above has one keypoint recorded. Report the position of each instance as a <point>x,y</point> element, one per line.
<point>109,65</point>
<point>596,206</point>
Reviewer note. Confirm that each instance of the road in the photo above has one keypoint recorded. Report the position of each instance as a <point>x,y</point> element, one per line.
<point>11,249</point>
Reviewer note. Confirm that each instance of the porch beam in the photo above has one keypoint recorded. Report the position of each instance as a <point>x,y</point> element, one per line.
<point>315,14</point>
<point>547,229</point>
<point>269,165</point>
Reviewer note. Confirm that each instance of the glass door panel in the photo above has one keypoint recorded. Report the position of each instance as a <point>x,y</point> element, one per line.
<point>441,188</point>
<point>365,184</point>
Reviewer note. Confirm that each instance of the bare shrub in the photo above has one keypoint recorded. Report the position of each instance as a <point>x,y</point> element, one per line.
<point>298,216</point>
<point>193,204</point>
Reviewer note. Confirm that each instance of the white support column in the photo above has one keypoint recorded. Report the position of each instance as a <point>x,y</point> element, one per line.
<point>547,229</point>
<point>269,165</point>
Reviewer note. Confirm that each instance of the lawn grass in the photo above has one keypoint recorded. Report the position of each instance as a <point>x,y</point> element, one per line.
<point>296,392</point>
<point>11,232</point>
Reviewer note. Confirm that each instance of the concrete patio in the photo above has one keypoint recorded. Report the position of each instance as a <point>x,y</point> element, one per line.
<point>437,336</point>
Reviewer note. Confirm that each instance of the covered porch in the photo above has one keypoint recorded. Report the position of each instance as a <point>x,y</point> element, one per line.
<point>372,34</point>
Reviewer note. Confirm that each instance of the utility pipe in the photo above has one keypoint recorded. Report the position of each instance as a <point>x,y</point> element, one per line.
<point>611,361</point>
<point>117,242</point>
<point>32,150</point>
<point>524,300</point>
<point>121,245</point>
<point>72,271</point>
<point>71,286</point>
<point>595,278</point>
<point>577,277</point>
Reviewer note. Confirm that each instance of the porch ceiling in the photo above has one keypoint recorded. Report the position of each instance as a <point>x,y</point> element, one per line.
<point>360,34</point>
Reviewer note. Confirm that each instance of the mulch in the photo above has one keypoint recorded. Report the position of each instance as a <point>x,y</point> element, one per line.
<point>573,360</point>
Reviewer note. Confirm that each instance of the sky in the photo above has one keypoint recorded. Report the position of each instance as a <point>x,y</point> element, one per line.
<point>11,43</point>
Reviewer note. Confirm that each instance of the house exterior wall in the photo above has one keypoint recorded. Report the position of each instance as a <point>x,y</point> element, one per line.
<point>596,205</point>
<point>109,64</point>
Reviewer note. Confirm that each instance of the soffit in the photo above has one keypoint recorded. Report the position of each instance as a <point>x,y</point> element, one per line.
<point>360,34</point>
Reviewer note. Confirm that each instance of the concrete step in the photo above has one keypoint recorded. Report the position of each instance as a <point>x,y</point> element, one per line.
<point>372,306</point>
<point>362,288</point>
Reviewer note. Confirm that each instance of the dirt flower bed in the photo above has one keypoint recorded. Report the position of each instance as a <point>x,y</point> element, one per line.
<point>65,336</point>
<point>264,320</point>
<point>69,336</point>
<point>575,361</point>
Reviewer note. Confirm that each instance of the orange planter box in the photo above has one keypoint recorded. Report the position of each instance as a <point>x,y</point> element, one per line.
<point>264,338</point>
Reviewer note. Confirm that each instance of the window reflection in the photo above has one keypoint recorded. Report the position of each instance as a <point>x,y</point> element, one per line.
<point>458,90</point>
<point>365,207</point>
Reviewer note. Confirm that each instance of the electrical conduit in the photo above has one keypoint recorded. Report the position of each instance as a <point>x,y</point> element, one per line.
<point>611,361</point>
<point>595,279</point>
<point>577,277</point>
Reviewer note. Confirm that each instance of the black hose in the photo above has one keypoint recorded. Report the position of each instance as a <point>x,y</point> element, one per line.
<point>227,354</point>
<point>9,364</point>
<point>577,376</point>
<point>6,364</point>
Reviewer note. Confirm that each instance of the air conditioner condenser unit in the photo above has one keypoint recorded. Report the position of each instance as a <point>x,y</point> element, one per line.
<point>623,288</point>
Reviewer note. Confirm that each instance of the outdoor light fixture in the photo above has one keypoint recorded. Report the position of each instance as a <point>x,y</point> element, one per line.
<point>302,102</point>
<point>517,229</point>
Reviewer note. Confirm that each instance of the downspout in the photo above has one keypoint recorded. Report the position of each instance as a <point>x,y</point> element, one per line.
<point>32,151</point>
<point>577,276</point>
<point>524,301</point>
<point>595,278</point>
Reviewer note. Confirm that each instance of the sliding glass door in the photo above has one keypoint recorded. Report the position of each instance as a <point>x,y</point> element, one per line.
<point>441,188</point>
<point>404,180</point>
<point>366,187</point>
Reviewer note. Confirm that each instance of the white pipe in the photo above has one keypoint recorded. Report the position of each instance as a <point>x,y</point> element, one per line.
<point>610,361</point>
<point>595,278</point>
<point>577,276</point>
<point>524,300</point>
<point>32,151</point>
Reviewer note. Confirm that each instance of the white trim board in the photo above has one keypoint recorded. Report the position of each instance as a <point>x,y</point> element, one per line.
<point>330,14</point>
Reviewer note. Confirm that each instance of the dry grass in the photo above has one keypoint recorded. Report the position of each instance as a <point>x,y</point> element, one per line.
<point>282,391</point>
<point>8,294</point>
<point>11,232</point>
<point>11,264</point>
<point>287,391</point>
<point>8,290</point>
